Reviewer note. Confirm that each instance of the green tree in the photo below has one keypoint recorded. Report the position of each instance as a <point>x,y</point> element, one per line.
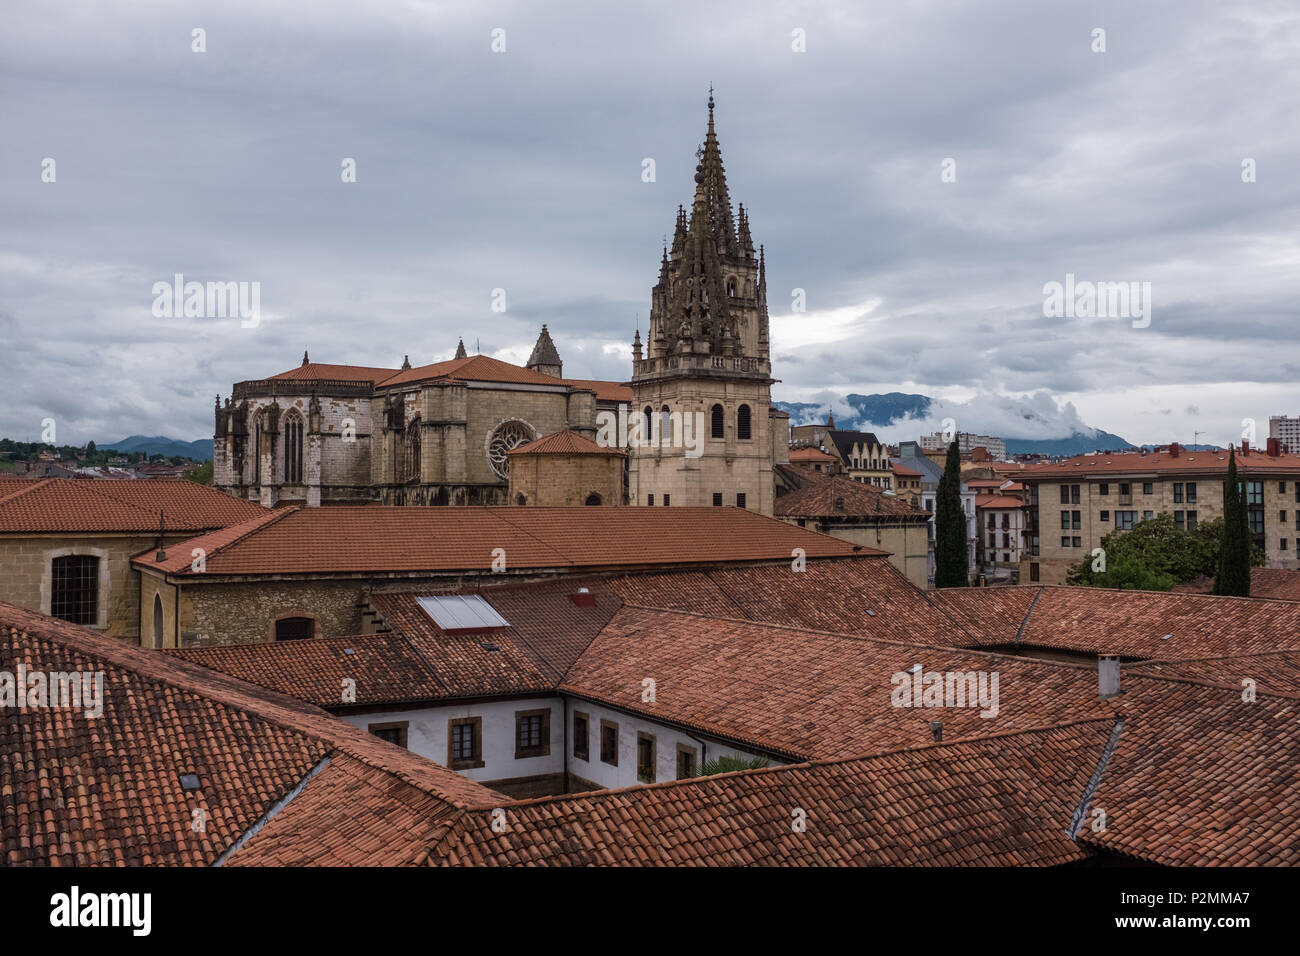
<point>1232,576</point>
<point>1154,556</point>
<point>90,448</point>
<point>951,569</point>
<point>731,764</point>
<point>200,474</point>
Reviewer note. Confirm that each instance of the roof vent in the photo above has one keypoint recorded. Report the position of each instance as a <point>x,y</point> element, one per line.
<point>870,613</point>
<point>936,730</point>
<point>583,597</point>
<point>1166,637</point>
<point>349,651</point>
<point>489,646</point>
<point>189,782</point>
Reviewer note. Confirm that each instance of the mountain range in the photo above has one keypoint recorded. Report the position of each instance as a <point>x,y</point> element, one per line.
<point>200,450</point>
<point>881,410</point>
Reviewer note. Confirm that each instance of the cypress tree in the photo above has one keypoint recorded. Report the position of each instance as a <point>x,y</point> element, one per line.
<point>1232,577</point>
<point>950,557</point>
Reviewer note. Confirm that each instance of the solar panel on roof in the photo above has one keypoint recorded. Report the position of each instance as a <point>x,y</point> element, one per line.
<point>461,612</point>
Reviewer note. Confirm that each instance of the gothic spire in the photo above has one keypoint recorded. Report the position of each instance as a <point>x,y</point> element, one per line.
<point>717,200</point>
<point>460,350</point>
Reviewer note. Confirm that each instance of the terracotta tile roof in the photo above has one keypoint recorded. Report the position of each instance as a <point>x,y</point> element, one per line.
<point>806,694</point>
<point>317,371</point>
<point>904,472</point>
<point>71,505</point>
<point>1132,624</point>
<point>998,501</point>
<point>822,498</point>
<point>564,443</point>
<point>808,453</point>
<point>1190,462</point>
<point>1201,778</point>
<point>833,596</point>
<point>418,662</point>
<point>1278,584</point>
<point>107,790</point>
<point>348,815</point>
<point>1000,801</point>
<point>377,539</point>
<point>605,391</point>
<point>475,368</point>
<point>1274,672</point>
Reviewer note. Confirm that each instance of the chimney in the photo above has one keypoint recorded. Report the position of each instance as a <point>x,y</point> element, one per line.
<point>1245,447</point>
<point>1108,675</point>
<point>1274,447</point>
<point>936,730</point>
<point>1175,449</point>
<point>583,597</point>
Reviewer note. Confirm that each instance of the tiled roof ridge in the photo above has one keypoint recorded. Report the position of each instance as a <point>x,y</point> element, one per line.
<point>1020,632</point>
<point>1094,781</point>
<point>254,524</point>
<point>1179,594</point>
<point>1202,683</point>
<point>842,635</point>
<point>24,488</point>
<point>806,764</point>
<point>1218,657</point>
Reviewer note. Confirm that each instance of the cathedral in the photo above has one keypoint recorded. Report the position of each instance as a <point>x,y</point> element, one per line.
<point>704,429</point>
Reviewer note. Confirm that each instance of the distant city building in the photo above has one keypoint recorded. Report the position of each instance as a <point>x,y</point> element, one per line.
<point>967,442</point>
<point>1286,430</point>
<point>1072,504</point>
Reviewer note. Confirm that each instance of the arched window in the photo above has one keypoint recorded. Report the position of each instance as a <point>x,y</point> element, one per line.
<point>665,425</point>
<point>293,449</point>
<point>294,628</point>
<point>717,425</point>
<point>411,453</point>
<point>521,500</point>
<point>743,423</point>
<point>592,499</point>
<point>257,453</point>
<point>157,622</point>
<point>649,422</point>
<point>731,286</point>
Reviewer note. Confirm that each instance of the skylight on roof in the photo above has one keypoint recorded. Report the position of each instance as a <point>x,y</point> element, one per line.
<point>461,612</point>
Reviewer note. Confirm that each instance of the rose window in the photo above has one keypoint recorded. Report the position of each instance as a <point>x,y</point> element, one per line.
<point>507,436</point>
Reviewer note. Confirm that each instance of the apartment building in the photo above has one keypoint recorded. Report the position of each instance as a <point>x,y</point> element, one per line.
<point>1286,430</point>
<point>967,442</point>
<point>1072,504</point>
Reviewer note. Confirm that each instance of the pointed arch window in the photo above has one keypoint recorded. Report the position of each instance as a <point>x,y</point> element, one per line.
<point>743,423</point>
<point>411,452</point>
<point>717,429</point>
<point>293,429</point>
<point>649,422</point>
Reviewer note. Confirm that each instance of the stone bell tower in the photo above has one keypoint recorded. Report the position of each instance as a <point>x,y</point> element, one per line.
<point>703,389</point>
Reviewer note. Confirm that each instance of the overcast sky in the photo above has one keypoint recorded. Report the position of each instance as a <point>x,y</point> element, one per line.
<point>522,170</point>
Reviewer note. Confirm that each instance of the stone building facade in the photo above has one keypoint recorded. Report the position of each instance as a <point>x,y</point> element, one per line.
<point>434,435</point>
<point>566,469</point>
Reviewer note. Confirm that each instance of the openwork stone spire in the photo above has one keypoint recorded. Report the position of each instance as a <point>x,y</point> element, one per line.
<point>709,298</point>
